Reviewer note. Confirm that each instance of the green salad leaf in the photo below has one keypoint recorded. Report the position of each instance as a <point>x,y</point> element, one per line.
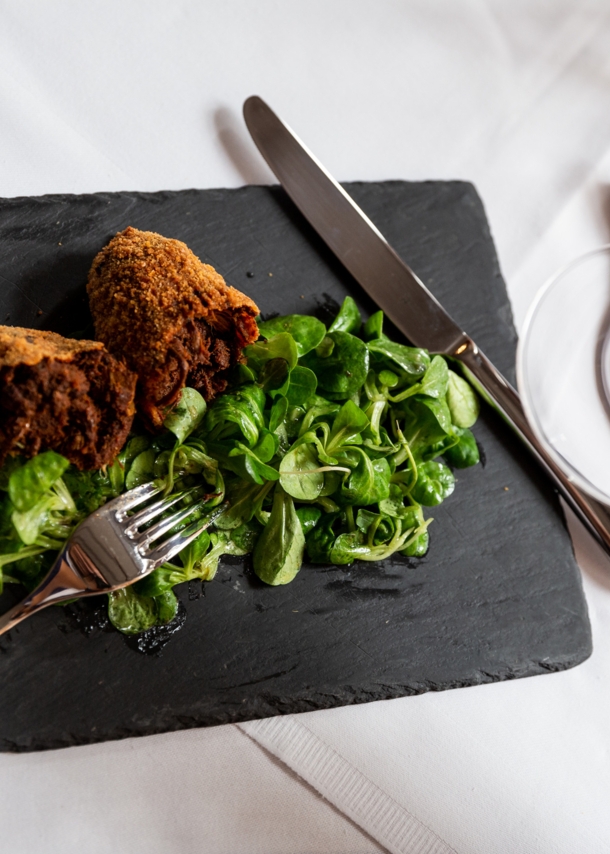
<point>462,401</point>
<point>411,361</point>
<point>28,484</point>
<point>187,415</point>
<point>465,453</point>
<point>307,332</point>
<point>348,319</point>
<point>328,443</point>
<point>131,612</point>
<point>342,368</point>
<point>278,553</point>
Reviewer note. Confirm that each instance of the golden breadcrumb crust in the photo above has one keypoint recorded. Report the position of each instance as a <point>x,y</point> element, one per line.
<point>19,346</point>
<point>143,289</point>
<point>59,394</point>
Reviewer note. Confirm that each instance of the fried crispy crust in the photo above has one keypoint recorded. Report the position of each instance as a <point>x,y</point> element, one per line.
<point>164,312</point>
<point>19,346</point>
<point>59,394</point>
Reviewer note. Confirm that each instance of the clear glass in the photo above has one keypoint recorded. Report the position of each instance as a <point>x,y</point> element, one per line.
<point>563,370</point>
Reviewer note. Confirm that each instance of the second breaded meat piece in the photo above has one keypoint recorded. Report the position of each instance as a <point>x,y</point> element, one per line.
<point>170,317</point>
<point>59,394</point>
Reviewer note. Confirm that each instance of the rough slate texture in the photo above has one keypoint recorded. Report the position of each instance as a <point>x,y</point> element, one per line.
<point>498,597</point>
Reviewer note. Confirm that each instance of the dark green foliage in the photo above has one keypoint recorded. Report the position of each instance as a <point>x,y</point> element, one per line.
<point>28,483</point>
<point>131,612</point>
<point>278,553</point>
<point>326,442</point>
<point>463,402</point>
<point>465,453</point>
<point>411,361</point>
<point>343,371</point>
<point>434,483</point>
<point>307,332</point>
<point>348,319</point>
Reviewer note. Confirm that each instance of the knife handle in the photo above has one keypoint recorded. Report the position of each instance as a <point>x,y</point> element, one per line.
<point>499,393</point>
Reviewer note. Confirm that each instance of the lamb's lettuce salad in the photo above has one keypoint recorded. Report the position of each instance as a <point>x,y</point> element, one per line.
<point>329,443</point>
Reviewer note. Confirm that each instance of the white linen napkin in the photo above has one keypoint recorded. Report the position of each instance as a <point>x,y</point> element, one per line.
<point>515,767</point>
<point>118,95</point>
<point>345,786</point>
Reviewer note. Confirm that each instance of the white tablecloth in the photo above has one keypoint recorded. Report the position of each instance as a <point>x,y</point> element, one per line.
<point>514,96</point>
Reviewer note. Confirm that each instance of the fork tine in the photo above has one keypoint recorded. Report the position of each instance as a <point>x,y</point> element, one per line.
<point>153,533</point>
<point>134,497</point>
<point>179,541</point>
<point>149,513</point>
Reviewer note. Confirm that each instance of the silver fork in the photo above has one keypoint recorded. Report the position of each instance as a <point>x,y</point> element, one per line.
<point>108,550</point>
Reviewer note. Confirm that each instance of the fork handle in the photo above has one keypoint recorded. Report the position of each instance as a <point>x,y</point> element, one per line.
<point>61,583</point>
<point>498,392</point>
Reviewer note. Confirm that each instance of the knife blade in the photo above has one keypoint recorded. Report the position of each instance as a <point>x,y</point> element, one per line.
<point>351,235</point>
<point>391,283</point>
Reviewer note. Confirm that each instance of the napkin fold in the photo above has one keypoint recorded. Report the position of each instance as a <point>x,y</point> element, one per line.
<point>344,786</point>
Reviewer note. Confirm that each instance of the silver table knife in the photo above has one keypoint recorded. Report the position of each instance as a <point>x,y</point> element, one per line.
<point>370,259</point>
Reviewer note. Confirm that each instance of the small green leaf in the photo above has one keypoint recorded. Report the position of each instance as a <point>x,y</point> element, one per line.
<point>302,388</point>
<point>440,411</point>
<point>300,473</point>
<point>347,547</point>
<point>436,379</point>
<point>116,475</point>
<point>250,467</point>
<point>433,384</point>
<point>412,360</point>
<point>465,453</point>
<point>274,375</point>
<point>307,331</point>
<point>347,426</point>
<point>435,482</point>
<point>278,413</point>
<point>369,481</point>
<point>29,483</point>
<point>388,378</point>
<point>266,447</point>
<point>320,540</point>
<point>243,539</point>
<point>278,553</point>
<point>142,469</point>
<point>29,523</point>
<point>325,347</point>
<point>344,370</point>
<point>394,504</point>
<point>159,581</point>
<point>130,451</point>
<point>244,497</point>
<point>427,423</point>
<point>194,553</point>
<point>187,415</point>
<point>348,319</point>
<point>463,402</point>
<point>242,409</point>
<point>281,346</point>
<point>309,518</point>
<point>373,328</point>
<point>167,607</point>
<point>418,545</point>
<point>131,613</point>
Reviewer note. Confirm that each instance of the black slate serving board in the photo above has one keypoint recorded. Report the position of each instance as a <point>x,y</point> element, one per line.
<point>498,596</point>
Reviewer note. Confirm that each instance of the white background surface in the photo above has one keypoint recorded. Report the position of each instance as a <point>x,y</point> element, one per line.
<point>514,96</point>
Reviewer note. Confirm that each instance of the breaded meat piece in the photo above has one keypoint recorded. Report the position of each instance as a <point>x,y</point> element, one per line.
<point>170,317</point>
<point>59,394</point>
